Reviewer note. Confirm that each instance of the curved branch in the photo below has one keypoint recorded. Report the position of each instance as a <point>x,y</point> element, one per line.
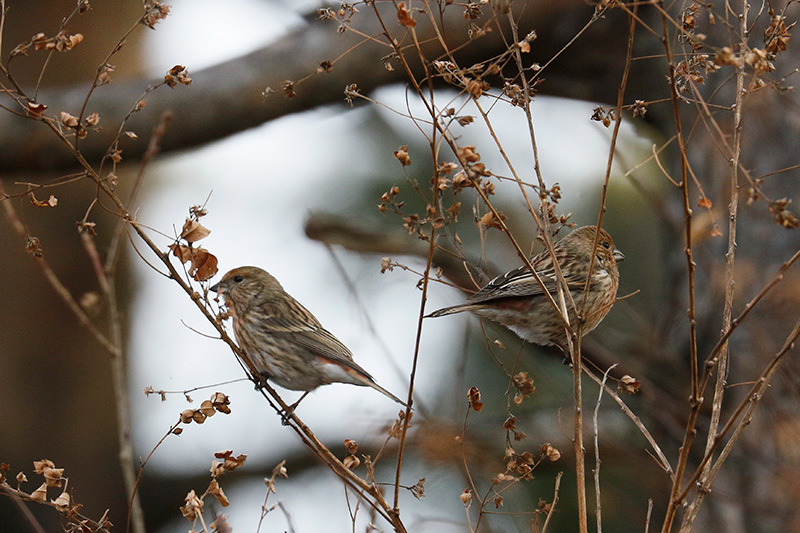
<point>228,98</point>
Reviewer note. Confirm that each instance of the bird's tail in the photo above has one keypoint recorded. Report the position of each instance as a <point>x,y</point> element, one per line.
<point>453,309</point>
<point>360,377</point>
<point>385,392</point>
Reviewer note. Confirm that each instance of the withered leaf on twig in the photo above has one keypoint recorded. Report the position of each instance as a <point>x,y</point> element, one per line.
<point>204,263</point>
<point>194,231</point>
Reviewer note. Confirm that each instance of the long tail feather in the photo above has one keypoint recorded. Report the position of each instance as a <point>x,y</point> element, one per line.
<point>386,393</point>
<point>362,378</point>
<point>453,309</point>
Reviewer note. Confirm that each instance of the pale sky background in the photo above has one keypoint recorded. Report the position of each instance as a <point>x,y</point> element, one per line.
<point>263,184</point>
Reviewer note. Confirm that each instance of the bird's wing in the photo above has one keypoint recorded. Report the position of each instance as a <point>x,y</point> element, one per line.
<point>520,282</point>
<point>314,338</point>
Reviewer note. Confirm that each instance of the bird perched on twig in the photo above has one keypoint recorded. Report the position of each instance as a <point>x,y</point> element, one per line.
<point>282,339</point>
<point>516,299</point>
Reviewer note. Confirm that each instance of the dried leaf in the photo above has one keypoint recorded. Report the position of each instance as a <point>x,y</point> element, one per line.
<point>474,397</point>
<point>229,461</point>
<point>402,156</point>
<point>53,476</point>
<point>177,74</point>
<point>468,154</point>
<point>216,468</point>
<point>182,252</point>
<point>453,211</point>
<point>351,445</point>
<point>216,490</point>
<point>204,265</point>
<point>220,524</point>
<point>221,402</point>
<point>351,462</point>
<point>92,120</point>
<point>490,221</point>
<point>192,507</point>
<point>40,494</point>
<point>418,490</point>
<point>193,231</point>
<point>62,502</point>
<point>68,120</point>
<point>50,202</point>
<point>207,408</point>
<point>40,466</point>
<point>404,16</point>
<point>524,386</point>
<point>550,452</point>
<point>628,384</point>
<point>34,246</point>
<point>280,470</point>
<point>36,110</point>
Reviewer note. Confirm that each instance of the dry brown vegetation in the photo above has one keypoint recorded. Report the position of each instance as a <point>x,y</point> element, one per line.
<point>702,362</point>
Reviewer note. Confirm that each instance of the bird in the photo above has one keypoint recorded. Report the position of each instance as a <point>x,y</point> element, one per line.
<point>282,340</point>
<point>517,301</point>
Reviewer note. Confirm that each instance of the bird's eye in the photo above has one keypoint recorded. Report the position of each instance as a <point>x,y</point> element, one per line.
<point>606,245</point>
<point>237,279</point>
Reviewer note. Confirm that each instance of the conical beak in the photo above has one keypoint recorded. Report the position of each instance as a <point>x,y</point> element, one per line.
<point>214,287</point>
<point>618,256</point>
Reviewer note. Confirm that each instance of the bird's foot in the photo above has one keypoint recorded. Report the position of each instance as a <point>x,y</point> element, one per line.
<point>262,382</point>
<point>286,414</point>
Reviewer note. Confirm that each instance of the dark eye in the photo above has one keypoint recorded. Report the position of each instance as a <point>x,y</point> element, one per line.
<point>606,245</point>
<point>237,279</point>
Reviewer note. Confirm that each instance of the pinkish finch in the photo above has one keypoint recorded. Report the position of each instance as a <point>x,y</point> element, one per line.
<point>282,339</point>
<point>516,300</point>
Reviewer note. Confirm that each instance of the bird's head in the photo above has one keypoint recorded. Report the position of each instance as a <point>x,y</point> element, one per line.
<point>606,253</point>
<point>244,285</point>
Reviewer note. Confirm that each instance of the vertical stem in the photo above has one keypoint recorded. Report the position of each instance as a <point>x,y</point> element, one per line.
<point>694,399</point>
<point>580,452</point>
<point>596,423</point>
<point>119,372</point>
<point>119,375</point>
<point>436,126</point>
<point>721,365</point>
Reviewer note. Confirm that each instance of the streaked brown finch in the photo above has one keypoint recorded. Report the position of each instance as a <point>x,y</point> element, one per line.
<point>282,339</point>
<point>516,300</point>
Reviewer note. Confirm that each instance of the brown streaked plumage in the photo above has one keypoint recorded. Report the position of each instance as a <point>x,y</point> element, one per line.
<point>282,339</point>
<point>517,301</point>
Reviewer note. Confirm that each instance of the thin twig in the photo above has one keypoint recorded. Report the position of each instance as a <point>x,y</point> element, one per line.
<point>721,366</point>
<point>555,501</point>
<point>694,398</point>
<point>747,406</point>
<point>662,459</point>
<point>598,507</point>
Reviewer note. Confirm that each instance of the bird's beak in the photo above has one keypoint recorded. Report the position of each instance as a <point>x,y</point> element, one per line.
<point>215,288</point>
<point>618,256</point>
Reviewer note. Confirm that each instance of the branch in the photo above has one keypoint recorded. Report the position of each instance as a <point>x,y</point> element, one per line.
<point>227,98</point>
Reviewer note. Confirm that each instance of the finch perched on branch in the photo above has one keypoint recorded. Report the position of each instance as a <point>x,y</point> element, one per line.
<point>282,340</point>
<point>517,301</point>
